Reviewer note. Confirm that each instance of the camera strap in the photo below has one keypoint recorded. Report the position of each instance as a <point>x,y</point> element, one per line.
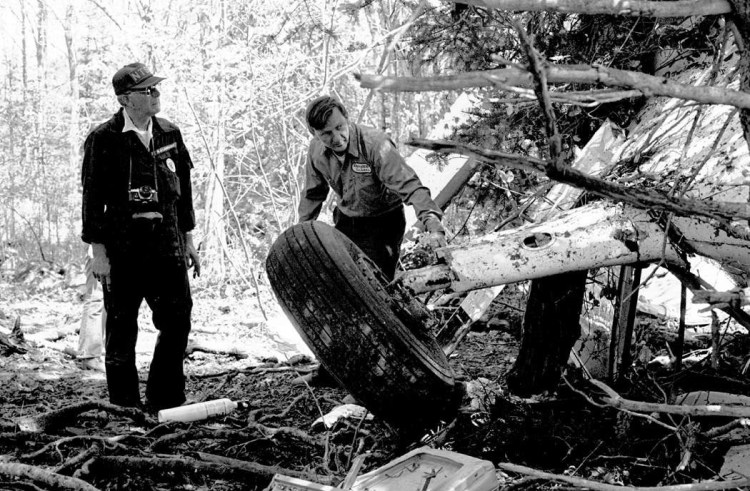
<point>130,170</point>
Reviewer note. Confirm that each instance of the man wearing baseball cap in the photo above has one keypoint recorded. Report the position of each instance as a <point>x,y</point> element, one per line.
<point>138,216</point>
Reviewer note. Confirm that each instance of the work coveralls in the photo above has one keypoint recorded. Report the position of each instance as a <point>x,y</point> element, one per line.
<point>147,257</point>
<point>372,184</point>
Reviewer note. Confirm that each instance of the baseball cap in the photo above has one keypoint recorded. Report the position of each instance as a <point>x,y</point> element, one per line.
<point>133,76</point>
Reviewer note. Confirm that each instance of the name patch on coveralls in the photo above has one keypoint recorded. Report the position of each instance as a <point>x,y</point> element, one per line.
<point>360,168</point>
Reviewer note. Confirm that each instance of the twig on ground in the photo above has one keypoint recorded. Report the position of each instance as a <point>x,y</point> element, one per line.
<point>597,486</point>
<point>283,413</point>
<point>724,429</point>
<point>71,439</point>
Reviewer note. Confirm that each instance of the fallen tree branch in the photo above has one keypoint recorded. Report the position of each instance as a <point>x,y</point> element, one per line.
<point>43,423</point>
<point>196,433</point>
<point>597,486</point>
<point>267,432</point>
<point>583,98</point>
<point>616,401</point>
<point>271,432</point>
<point>74,462</point>
<point>234,352</point>
<point>260,370</point>
<point>251,473</point>
<point>648,85</point>
<point>47,478</point>
<point>727,428</point>
<point>640,198</point>
<point>635,8</point>
<point>70,439</point>
<point>243,464</point>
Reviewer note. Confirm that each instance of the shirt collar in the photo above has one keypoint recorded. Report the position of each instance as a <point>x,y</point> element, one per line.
<point>130,126</point>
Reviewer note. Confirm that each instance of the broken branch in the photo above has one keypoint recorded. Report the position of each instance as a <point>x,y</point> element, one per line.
<point>648,85</point>
<point>640,198</point>
<point>598,486</point>
<point>613,399</point>
<point>634,8</point>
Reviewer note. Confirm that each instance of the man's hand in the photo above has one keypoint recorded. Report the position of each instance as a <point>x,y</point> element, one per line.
<point>193,261</point>
<point>434,235</point>
<point>434,240</point>
<point>100,266</point>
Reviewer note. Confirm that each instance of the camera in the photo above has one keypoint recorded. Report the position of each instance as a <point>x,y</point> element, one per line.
<point>143,195</point>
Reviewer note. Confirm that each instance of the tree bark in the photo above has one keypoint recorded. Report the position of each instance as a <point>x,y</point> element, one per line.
<point>649,85</point>
<point>550,328</point>
<point>684,8</point>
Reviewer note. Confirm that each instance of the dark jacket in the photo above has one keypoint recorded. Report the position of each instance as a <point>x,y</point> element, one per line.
<point>115,162</point>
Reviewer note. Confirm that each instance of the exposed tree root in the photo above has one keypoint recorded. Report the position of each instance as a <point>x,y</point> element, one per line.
<point>41,476</point>
<point>43,423</point>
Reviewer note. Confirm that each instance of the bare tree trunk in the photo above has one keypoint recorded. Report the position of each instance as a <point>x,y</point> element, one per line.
<point>38,142</point>
<point>73,142</point>
<point>215,227</point>
<point>550,328</point>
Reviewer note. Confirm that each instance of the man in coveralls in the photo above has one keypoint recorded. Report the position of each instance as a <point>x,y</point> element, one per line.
<point>372,182</point>
<point>137,216</point>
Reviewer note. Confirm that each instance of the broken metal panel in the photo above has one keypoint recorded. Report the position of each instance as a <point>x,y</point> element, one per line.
<point>597,235</point>
<point>595,159</point>
<point>707,240</point>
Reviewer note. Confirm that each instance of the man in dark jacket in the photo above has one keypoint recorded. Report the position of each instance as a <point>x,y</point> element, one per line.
<point>371,180</point>
<point>137,216</point>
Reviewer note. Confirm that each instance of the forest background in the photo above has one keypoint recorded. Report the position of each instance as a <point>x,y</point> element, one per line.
<point>239,75</point>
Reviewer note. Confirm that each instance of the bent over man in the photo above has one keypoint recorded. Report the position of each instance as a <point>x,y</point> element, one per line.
<point>137,215</point>
<point>371,180</point>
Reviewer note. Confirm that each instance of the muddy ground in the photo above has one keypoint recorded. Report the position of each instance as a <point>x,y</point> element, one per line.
<point>244,357</point>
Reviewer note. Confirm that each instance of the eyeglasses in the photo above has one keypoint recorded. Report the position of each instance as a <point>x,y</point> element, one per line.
<point>152,91</point>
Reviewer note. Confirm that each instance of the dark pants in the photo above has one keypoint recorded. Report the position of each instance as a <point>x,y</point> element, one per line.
<point>379,237</point>
<point>164,284</point>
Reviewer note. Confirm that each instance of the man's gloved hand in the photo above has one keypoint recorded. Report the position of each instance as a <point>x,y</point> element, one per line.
<point>434,234</point>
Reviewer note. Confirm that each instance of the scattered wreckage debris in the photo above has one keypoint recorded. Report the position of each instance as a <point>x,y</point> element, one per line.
<point>15,342</point>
